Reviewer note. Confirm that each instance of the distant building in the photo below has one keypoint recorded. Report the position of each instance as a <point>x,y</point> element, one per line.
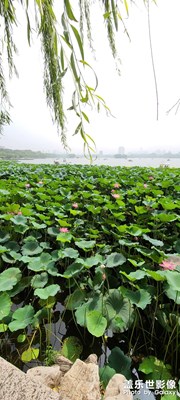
<point>121,150</point>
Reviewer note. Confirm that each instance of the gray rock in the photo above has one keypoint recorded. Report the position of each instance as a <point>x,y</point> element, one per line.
<point>63,363</point>
<point>49,376</point>
<point>116,389</point>
<point>16,385</point>
<point>92,358</point>
<point>81,382</point>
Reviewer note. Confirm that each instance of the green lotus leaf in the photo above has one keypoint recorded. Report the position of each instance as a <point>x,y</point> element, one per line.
<point>3,328</point>
<point>53,231</point>
<point>120,362</point>
<point>3,249</point>
<point>12,245</point>
<point>46,292</point>
<point>105,374</point>
<point>9,278</point>
<point>136,263</point>
<point>172,294</point>
<point>64,237</point>
<point>80,314</point>
<point>126,242</point>
<point>16,256</point>
<point>166,217</point>
<point>141,209</point>
<point>4,237</point>
<point>94,303</point>
<point>22,317</point>
<point>75,299</point>
<point>21,338</point>
<point>31,248</point>
<point>43,263</point>
<point>39,280</point>
<point>118,311</point>
<point>114,260</point>
<point>20,286</point>
<point>134,230</point>
<point>168,204</point>
<point>70,252</point>
<point>85,244</point>
<point>4,192</point>
<point>155,369</point>
<point>5,305</point>
<point>156,275</point>
<point>71,348</point>
<point>21,229</point>
<point>154,242</point>
<point>173,278</point>
<point>141,298</point>
<point>30,354</point>
<point>19,220</point>
<point>38,226</point>
<point>135,275</point>
<point>96,323</point>
<point>74,269</point>
<point>92,261</point>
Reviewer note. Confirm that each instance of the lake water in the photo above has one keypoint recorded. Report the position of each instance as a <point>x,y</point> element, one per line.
<point>122,162</point>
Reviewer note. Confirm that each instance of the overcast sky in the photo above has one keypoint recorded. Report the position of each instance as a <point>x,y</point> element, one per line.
<point>131,96</point>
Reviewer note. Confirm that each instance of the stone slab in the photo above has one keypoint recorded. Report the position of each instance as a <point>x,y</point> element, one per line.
<point>116,389</point>
<point>49,376</point>
<point>16,385</point>
<point>81,382</point>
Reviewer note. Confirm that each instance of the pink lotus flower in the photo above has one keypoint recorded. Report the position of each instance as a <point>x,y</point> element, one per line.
<point>151,178</point>
<point>116,195</point>
<point>145,185</point>
<point>64,230</point>
<point>168,265</point>
<point>112,190</point>
<point>75,205</point>
<point>19,213</point>
<point>40,183</point>
<point>116,185</point>
<point>27,185</point>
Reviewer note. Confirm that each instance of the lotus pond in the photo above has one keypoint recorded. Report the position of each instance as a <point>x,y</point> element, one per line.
<point>90,263</point>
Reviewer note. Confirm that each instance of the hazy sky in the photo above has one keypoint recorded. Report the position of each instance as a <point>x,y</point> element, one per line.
<point>131,96</point>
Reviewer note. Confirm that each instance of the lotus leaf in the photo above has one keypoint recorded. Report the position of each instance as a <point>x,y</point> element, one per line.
<point>120,362</point>
<point>46,292</point>
<point>22,317</point>
<point>9,278</point>
<point>5,305</point>
<point>71,348</point>
<point>31,353</point>
<point>96,323</point>
<point>114,260</point>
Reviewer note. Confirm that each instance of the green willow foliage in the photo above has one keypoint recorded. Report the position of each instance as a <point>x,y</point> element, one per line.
<point>62,33</point>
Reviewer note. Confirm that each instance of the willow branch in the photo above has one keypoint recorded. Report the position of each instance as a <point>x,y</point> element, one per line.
<point>153,64</point>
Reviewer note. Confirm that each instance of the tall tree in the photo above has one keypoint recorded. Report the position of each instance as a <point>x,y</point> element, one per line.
<point>62,35</point>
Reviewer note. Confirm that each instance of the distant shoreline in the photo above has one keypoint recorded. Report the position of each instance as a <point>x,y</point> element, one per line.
<point>16,155</point>
<point>113,162</point>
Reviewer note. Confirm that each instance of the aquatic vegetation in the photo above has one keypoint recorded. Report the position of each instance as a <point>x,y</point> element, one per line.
<point>78,260</point>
